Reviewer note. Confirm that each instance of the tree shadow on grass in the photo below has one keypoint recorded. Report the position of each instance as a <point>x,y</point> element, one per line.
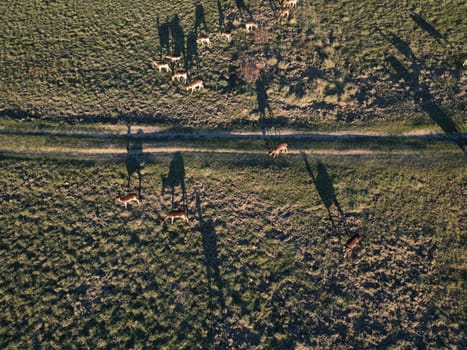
<point>242,8</point>
<point>178,36</point>
<point>164,36</point>
<point>175,177</point>
<point>422,23</point>
<point>325,187</point>
<point>267,122</point>
<point>192,54</point>
<point>134,161</point>
<point>200,19</point>
<point>422,95</point>
<point>220,10</point>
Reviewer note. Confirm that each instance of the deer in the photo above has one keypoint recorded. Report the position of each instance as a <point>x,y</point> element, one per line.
<point>161,66</point>
<point>180,75</point>
<point>227,34</point>
<point>291,3</point>
<point>351,243</point>
<point>283,147</point>
<point>203,39</point>
<point>195,85</point>
<point>173,58</point>
<point>284,13</point>
<point>127,199</point>
<point>250,26</point>
<point>174,214</point>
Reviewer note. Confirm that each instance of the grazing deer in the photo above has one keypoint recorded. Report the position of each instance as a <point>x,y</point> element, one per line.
<point>127,199</point>
<point>195,85</point>
<point>278,149</point>
<point>203,39</point>
<point>173,58</point>
<point>175,214</point>
<point>351,243</point>
<point>227,35</point>
<point>180,75</point>
<point>284,13</point>
<point>161,66</point>
<point>291,3</point>
<point>250,26</point>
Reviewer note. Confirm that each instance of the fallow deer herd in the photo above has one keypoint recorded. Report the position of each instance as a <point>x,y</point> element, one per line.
<point>198,84</point>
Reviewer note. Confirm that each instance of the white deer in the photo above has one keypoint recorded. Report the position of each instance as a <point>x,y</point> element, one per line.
<point>195,85</point>
<point>180,75</point>
<point>283,147</point>
<point>162,66</point>
<point>175,214</point>
<point>284,13</point>
<point>127,199</point>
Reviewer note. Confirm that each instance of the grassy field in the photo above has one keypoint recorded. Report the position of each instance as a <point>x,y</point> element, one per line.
<point>331,64</point>
<point>259,265</point>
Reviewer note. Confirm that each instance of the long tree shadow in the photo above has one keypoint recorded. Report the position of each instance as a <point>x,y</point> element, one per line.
<point>178,36</point>
<point>220,10</point>
<point>200,19</point>
<point>164,36</point>
<point>423,96</point>
<point>266,116</point>
<point>134,161</point>
<point>422,23</point>
<point>402,46</point>
<point>242,7</point>
<point>211,262</point>
<point>192,54</point>
<point>325,187</point>
<point>175,177</point>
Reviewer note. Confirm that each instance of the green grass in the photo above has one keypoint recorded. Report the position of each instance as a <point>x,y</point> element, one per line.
<point>90,61</point>
<point>259,266</point>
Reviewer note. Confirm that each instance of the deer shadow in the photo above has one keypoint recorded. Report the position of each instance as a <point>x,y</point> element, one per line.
<point>134,161</point>
<point>200,18</point>
<point>164,36</point>
<point>175,177</point>
<point>178,36</point>
<point>325,188</point>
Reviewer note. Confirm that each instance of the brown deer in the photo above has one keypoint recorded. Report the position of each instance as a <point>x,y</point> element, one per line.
<point>227,35</point>
<point>195,85</point>
<point>291,3</point>
<point>180,75</point>
<point>283,147</point>
<point>250,26</point>
<point>285,13</point>
<point>127,199</point>
<point>174,214</point>
<point>351,243</point>
<point>173,58</point>
<point>203,39</point>
<point>162,66</point>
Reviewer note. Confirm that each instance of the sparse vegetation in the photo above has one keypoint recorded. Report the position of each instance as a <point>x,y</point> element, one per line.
<point>91,60</point>
<point>260,265</point>
<point>367,98</point>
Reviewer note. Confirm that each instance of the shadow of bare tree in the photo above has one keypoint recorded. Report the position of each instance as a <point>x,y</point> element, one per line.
<point>200,19</point>
<point>422,23</point>
<point>178,36</point>
<point>164,36</point>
